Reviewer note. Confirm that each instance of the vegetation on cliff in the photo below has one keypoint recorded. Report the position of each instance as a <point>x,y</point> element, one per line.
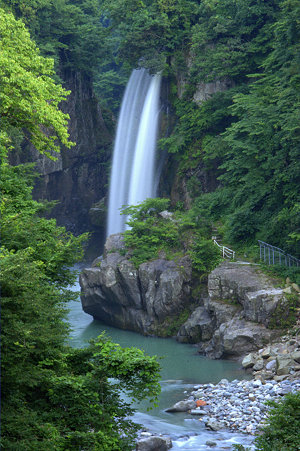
<point>53,397</point>
<point>246,135</point>
<point>157,233</point>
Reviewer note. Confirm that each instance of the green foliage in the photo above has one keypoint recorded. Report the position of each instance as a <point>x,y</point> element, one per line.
<point>282,431</point>
<point>261,163</point>
<point>281,271</point>
<point>151,235</point>
<point>68,31</point>
<point>150,31</point>
<point>53,397</point>
<point>231,38</point>
<point>247,136</point>
<point>29,97</point>
<point>205,255</point>
<point>23,228</point>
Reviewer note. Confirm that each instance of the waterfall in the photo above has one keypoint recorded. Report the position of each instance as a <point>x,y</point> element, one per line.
<point>133,167</point>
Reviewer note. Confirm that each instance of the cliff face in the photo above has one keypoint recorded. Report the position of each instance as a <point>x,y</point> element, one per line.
<point>231,317</point>
<point>185,184</point>
<point>238,314</point>
<point>146,300</point>
<point>77,180</point>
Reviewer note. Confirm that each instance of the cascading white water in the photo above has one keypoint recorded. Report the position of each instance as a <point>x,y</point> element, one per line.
<point>134,153</point>
<point>142,176</point>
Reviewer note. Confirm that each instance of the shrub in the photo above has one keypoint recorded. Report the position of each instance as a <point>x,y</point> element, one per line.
<point>283,430</point>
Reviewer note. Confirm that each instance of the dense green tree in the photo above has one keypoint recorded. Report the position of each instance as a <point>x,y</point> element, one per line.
<point>152,235</point>
<point>52,396</point>
<point>150,32</point>
<point>261,160</point>
<point>282,431</point>
<point>68,31</point>
<point>231,38</point>
<point>29,97</point>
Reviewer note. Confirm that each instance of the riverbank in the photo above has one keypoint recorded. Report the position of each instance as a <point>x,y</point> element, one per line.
<point>236,407</point>
<point>239,406</point>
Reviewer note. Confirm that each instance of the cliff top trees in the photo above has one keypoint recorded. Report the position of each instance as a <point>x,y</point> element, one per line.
<point>29,97</point>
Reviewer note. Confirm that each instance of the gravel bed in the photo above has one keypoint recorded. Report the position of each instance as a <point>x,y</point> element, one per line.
<point>238,405</point>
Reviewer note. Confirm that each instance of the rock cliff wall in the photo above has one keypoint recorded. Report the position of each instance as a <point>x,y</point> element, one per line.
<point>145,300</point>
<point>236,316</point>
<point>77,180</point>
<point>230,318</point>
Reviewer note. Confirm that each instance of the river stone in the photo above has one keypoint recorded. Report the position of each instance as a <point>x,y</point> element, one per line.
<point>249,360</point>
<point>296,356</point>
<point>270,365</point>
<point>266,353</point>
<point>214,425</point>
<point>154,444</point>
<point>283,365</point>
<point>258,365</point>
<point>182,406</point>
<point>198,412</point>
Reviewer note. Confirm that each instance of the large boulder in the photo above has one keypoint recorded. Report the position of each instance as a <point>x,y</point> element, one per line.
<point>237,337</point>
<point>199,327</point>
<point>116,292</point>
<point>154,443</point>
<point>243,284</point>
<point>234,318</point>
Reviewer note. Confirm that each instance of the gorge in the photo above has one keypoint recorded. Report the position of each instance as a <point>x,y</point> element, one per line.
<point>226,166</point>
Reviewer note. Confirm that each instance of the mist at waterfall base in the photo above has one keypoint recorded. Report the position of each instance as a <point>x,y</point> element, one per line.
<point>182,368</point>
<point>133,166</point>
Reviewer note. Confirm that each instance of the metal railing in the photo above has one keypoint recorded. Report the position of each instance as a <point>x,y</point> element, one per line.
<point>226,252</point>
<point>273,255</point>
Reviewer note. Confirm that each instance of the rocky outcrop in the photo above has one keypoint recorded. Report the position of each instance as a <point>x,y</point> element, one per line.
<point>236,316</point>
<point>142,299</point>
<point>78,178</point>
<point>233,317</point>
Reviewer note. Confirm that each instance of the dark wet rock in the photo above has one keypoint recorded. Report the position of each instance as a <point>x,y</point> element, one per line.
<point>118,293</point>
<point>182,406</point>
<point>199,327</point>
<point>154,444</point>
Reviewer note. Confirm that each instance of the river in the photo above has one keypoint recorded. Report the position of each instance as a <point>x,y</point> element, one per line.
<point>182,368</point>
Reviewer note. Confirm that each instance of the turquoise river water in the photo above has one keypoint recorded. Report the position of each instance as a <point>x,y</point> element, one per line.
<point>182,368</point>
